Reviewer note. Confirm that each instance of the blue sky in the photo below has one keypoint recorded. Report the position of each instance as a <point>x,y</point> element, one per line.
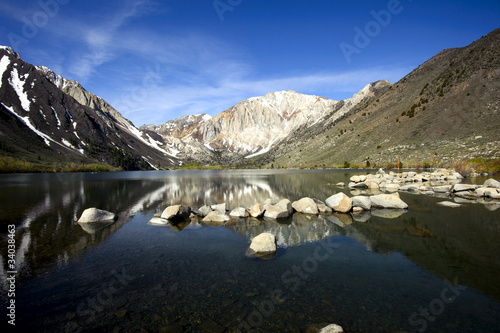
<point>159,60</point>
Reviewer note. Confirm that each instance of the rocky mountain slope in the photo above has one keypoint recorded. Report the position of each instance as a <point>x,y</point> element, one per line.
<point>50,121</point>
<point>251,128</point>
<point>447,108</point>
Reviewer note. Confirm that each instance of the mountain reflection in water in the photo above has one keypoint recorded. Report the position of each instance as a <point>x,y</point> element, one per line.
<point>449,243</point>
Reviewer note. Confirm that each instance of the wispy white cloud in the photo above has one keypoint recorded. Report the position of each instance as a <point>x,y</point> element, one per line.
<point>170,101</point>
<point>100,39</point>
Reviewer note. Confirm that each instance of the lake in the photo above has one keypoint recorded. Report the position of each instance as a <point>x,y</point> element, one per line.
<point>427,269</point>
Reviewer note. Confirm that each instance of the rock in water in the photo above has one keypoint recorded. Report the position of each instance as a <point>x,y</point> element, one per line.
<point>204,211</point>
<point>362,202</point>
<point>339,202</point>
<point>96,215</point>
<point>276,212</point>
<point>306,206</point>
<point>322,207</point>
<point>216,216</point>
<point>264,243</point>
<point>333,328</point>
<point>391,201</point>
<point>492,183</point>
<point>448,204</point>
<point>220,207</point>
<point>257,210</point>
<point>286,204</point>
<point>177,212</point>
<point>239,212</point>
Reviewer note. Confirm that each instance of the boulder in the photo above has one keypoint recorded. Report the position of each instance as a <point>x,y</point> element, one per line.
<point>257,210</point>
<point>204,211</point>
<point>285,203</point>
<point>339,202</point>
<point>340,184</point>
<point>177,212</point>
<point>306,206</point>
<point>322,207</point>
<point>239,212</point>
<point>392,201</point>
<point>332,328</point>
<point>91,215</point>
<point>492,183</point>
<point>391,187</point>
<point>357,210</point>
<point>362,202</point>
<point>448,204</point>
<point>263,243</point>
<point>276,212</point>
<point>357,185</point>
<point>216,217</point>
<point>372,184</point>
<point>355,179</point>
<point>442,189</point>
<point>410,188</point>
<point>220,207</point>
<point>464,187</point>
<point>158,221</point>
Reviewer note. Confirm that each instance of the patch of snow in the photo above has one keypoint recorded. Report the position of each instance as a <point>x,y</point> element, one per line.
<point>150,164</point>
<point>208,146</point>
<point>263,151</point>
<point>7,48</point>
<point>57,118</point>
<point>17,84</point>
<point>206,117</point>
<point>138,134</point>
<point>69,114</point>
<point>3,67</point>
<point>66,143</point>
<point>26,121</point>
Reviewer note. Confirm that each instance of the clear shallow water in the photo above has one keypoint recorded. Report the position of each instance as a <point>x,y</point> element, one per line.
<point>381,275</point>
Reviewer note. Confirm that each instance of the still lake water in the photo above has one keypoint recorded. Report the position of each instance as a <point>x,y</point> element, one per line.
<point>431,269</point>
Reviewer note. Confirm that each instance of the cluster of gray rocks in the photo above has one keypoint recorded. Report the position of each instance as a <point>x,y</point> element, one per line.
<point>442,182</point>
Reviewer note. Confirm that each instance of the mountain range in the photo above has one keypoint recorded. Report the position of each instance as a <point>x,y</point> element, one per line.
<point>447,108</point>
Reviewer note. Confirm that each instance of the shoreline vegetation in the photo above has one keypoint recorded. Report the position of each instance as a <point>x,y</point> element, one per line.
<point>469,168</point>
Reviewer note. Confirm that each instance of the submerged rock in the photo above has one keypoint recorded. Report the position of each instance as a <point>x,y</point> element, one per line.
<point>264,243</point>
<point>91,215</point>
<point>448,204</point>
